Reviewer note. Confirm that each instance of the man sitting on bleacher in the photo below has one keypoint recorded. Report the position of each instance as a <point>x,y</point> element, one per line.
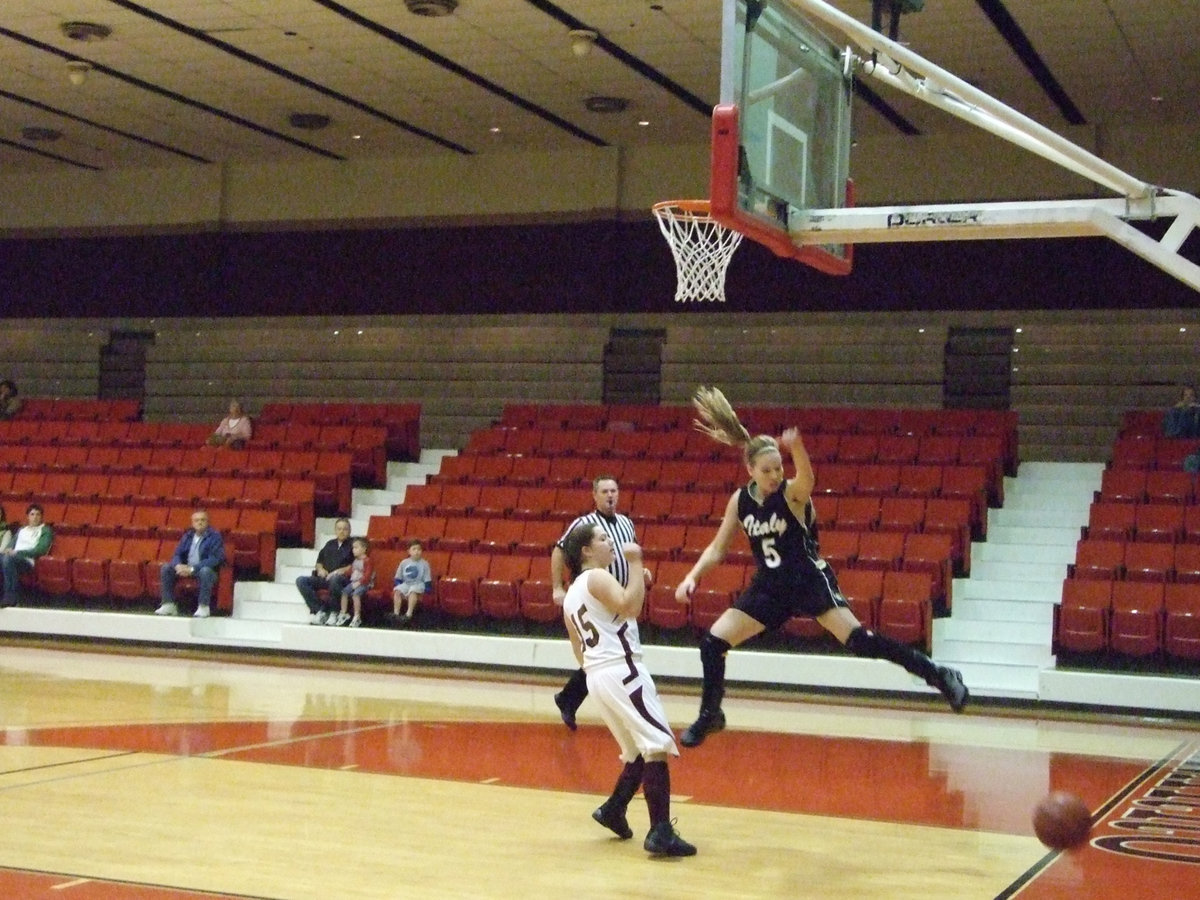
<point>32,541</point>
<point>200,553</point>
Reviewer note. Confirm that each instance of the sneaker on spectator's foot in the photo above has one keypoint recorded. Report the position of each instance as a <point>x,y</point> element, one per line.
<point>356,622</point>
<point>331,618</point>
<point>318,618</point>
<point>202,612</point>
<point>564,710</point>
<point>950,683</point>
<point>167,609</point>
<point>614,821</point>
<point>343,619</point>
<point>664,840</point>
<point>707,723</point>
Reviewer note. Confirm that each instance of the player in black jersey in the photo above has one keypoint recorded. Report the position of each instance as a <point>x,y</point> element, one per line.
<point>791,578</point>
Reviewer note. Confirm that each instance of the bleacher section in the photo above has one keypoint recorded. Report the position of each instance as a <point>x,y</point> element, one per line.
<point>898,511</point>
<point>1133,591</point>
<point>120,492</point>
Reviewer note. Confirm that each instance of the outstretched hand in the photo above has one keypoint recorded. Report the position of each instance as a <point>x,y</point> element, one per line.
<point>789,437</point>
<point>683,593</point>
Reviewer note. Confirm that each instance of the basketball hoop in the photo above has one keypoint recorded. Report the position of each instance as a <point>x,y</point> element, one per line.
<point>702,248</point>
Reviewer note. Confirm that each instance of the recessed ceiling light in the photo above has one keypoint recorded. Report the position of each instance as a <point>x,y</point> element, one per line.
<point>38,133</point>
<point>308,121</point>
<point>88,32</point>
<point>431,8</point>
<point>602,104</point>
<point>643,123</point>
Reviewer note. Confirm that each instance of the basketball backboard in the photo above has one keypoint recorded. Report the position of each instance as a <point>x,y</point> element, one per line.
<point>781,149</point>
<point>781,135</point>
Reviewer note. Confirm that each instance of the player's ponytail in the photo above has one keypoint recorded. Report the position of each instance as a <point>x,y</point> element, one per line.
<point>720,422</point>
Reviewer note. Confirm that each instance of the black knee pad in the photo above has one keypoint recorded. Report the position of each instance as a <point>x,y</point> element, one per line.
<point>712,648</point>
<point>864,642</point>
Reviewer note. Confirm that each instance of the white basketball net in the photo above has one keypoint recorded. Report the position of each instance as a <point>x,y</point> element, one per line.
<point>701,246</point>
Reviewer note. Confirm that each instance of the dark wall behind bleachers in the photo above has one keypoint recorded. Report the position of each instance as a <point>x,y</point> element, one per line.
<point>603,266</point>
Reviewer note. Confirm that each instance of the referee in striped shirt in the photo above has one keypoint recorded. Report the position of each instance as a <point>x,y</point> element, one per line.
<point>605,492</point>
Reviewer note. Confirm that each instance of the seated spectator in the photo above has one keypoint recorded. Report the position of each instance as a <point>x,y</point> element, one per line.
<point>32,541</point>
<point>413,576</point>
<point>10,403</point>
<point>6,535</point>
<point>1183,419</point>
<point>331,573</point>
<point>362,576</point>
<point>199,554</point>
<point>235,429</point>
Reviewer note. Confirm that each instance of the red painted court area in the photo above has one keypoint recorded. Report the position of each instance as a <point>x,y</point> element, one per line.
<point>1147,818</point>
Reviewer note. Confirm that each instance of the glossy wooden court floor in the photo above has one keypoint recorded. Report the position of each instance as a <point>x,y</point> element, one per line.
<point>163,777</point>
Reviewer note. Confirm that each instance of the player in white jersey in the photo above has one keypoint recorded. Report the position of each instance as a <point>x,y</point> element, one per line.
<point>601,619</point>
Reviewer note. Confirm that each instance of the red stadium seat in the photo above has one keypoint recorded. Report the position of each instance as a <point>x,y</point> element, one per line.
<point>839,548</point>
<point>458,499</point>
<point>89,572</point>
<point>858,513</point>
<point>880,550</point>
<point>52,571</point>
<point>857,448</point>
<point>662,540</point>
<point>906,608</point>
<point>1136,626</point>
<point>498,590</point>
<point>1148,561</point>
<point>662,609</point>
<point>461,533</point>
<point>863,590</point>
<point>1111,521</point>
<point>715,593</point>
<point>901,514</point>
<point>126,579</point>
<point>1083,616</point>
<point>538,537</point>
<point>1122,486</point>
<point>1098,560</point>
<point>457,587</point>
<point>1181,635</point>
<point>500,535</point>
<point>1158,522</point>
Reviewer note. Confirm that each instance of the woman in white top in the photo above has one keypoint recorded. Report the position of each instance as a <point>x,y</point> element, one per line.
<point>234,430</point>
<point>601,619</point>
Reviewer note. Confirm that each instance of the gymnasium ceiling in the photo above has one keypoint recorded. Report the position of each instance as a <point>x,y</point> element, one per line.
<point>216,81</point>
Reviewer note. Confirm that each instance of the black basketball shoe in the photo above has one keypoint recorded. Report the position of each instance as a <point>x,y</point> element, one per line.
<point>950,683</point>
<point>664,840</point>
<point>614,821</point>
<point>706,723</point>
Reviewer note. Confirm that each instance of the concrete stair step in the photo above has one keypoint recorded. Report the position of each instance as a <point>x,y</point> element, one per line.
<point>991,631</point>
<point>1006,589</point>
<point>1057,517</point>
<point>1059,535</point>
<point>992,610</point>
<point>1003,653</point>
<point>288,574</point>
<point>1056,472</point>
<point>1020,554</point>
<point>305,557</point>
<point>1018,571</point>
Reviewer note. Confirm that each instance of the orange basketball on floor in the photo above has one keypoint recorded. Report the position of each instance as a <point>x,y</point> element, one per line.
<point>1061,821</point>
